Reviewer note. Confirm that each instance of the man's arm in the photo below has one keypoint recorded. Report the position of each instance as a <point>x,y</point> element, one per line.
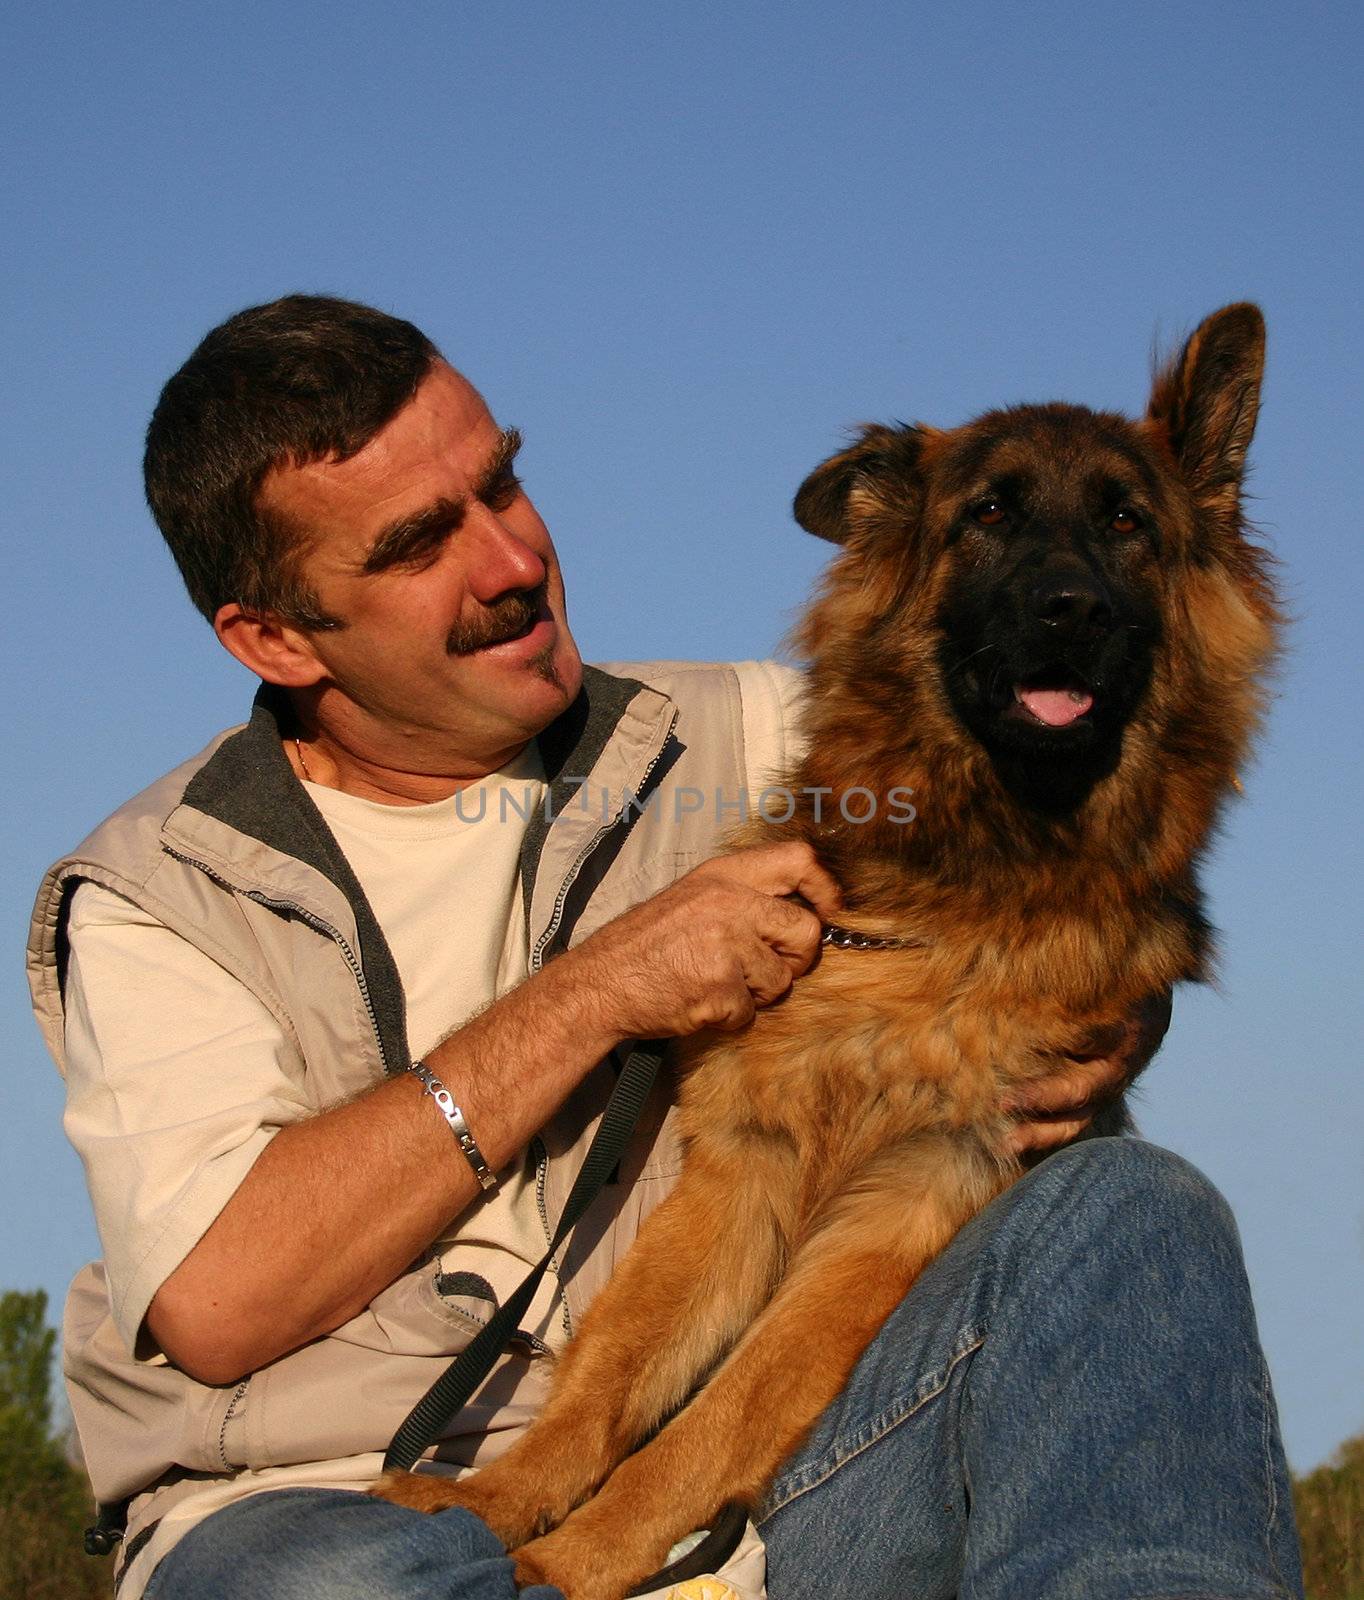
<point>337,1205</point>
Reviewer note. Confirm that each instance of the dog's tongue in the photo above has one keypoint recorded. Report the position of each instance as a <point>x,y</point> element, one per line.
<point>1058,708</point>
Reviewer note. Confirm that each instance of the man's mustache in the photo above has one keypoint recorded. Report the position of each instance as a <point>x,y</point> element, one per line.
<point>503,619</point>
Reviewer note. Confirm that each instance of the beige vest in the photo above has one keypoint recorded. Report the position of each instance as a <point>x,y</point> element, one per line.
<point>229,852</point>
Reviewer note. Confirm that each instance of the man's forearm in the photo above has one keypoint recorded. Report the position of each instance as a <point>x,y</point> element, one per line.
<point>336,1206</point>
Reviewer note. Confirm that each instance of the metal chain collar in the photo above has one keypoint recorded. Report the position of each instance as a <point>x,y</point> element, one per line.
<point>840,938</point>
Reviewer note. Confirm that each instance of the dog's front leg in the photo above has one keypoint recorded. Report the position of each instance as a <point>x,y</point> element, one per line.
<point>758,1407</point>
<point>702,1266</point>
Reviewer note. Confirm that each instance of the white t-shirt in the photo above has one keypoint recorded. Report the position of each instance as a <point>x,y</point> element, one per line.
<point>443,882</point>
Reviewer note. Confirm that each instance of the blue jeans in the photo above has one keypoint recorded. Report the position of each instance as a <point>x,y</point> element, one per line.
<point>1070,1404</point>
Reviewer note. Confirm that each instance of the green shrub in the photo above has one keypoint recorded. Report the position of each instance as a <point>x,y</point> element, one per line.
<point>44,1500</point>
<point>1330,1507</point>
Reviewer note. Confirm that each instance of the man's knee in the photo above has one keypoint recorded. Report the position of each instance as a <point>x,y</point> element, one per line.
<point>1098,1178</point>
<point>1096,1220</point>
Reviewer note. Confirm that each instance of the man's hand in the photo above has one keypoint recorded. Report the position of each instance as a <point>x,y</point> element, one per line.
<point>1058,1108</point>
<point>711,949</point>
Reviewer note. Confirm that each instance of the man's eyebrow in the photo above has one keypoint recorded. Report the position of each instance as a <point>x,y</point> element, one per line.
<point>509,442</point>
<point>411,537</point>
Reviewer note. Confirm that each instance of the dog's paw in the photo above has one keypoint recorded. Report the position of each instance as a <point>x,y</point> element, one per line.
<point>554,1559</point>
<point>586,1561</point>
<point>419,1491</point>
<point>496,1497</point>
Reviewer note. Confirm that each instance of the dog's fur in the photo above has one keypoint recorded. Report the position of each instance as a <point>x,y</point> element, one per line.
<point>990,579</point>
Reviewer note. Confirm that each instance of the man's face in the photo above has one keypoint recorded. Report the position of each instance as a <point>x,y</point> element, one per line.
<point>455,648</point>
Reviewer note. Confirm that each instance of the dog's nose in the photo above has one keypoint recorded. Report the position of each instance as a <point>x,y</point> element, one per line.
<point>1071,602</point>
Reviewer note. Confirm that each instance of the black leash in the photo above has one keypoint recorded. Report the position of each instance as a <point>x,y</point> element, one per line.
<point>428,1418</point>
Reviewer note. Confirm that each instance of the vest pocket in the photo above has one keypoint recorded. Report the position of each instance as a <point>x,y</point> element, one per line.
<point>467,1296</point>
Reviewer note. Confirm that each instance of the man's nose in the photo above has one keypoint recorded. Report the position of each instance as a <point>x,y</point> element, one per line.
<point>502,561</point>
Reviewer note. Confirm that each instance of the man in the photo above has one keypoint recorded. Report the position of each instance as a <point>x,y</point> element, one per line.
<point>310,1190</point>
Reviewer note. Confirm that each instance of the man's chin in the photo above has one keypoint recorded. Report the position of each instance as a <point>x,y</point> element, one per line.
<point>560,671</point>
<point>546,665</point>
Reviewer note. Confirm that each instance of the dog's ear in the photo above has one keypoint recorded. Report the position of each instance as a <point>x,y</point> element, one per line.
<point>1208,400</point>
<point>881,456</point>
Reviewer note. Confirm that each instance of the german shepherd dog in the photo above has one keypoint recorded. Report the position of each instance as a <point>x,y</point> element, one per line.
<point>1051,626</point>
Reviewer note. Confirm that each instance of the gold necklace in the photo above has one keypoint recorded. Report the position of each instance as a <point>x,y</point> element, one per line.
<point>302,759</point>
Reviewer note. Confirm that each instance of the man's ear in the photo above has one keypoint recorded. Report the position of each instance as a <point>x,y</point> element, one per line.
<point>880,454</point>
<point>265,644</point>
<point>1208,401</point>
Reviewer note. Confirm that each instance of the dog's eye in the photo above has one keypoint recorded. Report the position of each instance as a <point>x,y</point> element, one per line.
<point>1124,520</point>
<point>989,513</point>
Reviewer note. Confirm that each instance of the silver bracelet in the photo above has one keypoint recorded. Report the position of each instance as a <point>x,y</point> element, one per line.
<point>458,1126</point>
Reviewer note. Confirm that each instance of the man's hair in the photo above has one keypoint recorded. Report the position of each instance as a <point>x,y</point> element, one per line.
<point>305,378</point>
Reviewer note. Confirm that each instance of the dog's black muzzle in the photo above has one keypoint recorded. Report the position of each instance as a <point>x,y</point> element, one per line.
<point>1046,670</point>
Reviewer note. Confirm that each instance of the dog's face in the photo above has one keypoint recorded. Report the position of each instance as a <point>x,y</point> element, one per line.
<point>1051,578</point>
<point>1049,608</point>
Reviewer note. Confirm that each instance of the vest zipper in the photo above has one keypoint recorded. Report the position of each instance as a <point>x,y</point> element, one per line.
<point>537,955</point>
<point>537,1144</point>
<point>313,921</point>
<point>541,1168</point>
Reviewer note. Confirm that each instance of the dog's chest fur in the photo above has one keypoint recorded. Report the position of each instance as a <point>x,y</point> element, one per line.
<point>876,1050</point>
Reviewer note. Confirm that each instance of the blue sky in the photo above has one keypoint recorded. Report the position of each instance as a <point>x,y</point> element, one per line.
<point>683,249</point>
